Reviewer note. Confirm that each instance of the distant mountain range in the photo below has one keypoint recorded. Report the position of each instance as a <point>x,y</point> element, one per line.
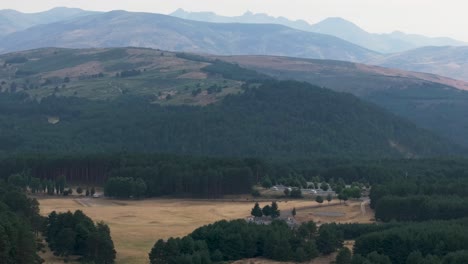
<point>121,28</point>
<point>83,29</point>
<point>338,27</point>
<point>13,21</point>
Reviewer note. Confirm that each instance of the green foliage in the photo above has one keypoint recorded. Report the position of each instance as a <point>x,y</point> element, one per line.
<point>344,256</point>
<point>15,60</point>
<point>266,210</point>
<point>324,186</point>
<point>353,192</point>
<point>330,238</point>
<point>296,193</point>
<point>256,123</point>
<point>274,210</point>
<point>234,71</point>
<point>19,222</point>
<point>266,183</point>
<point>398,243</point>
<point>256,211</point>
<point>319,199</point>
<point>307,230</point>
<point>76,234</point>
<point>129,73</point>
<point>235,240</point>
<point>256,193</point>
<point>419,199</point>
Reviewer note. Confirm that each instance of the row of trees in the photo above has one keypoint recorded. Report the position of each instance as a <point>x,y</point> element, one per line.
<point>268,210</point>
<point>227,241</point>
<point>76,234</point>
<point>187,179</point>
<point>25,182</point>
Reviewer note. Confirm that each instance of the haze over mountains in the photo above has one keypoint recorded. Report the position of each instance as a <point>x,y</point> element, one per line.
<point>433,102</point>
<point>335,26</point>
<point>83,29</point>
<point>121,28</point>
<point>13,21</point>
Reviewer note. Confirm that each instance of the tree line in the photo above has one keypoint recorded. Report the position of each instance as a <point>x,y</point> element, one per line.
<point>421,198</point>
<point>237,239</point>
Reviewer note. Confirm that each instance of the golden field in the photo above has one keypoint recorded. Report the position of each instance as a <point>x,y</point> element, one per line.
<point>136,225</point>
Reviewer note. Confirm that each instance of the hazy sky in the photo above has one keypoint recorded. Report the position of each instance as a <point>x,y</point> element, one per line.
<point>428,17</point>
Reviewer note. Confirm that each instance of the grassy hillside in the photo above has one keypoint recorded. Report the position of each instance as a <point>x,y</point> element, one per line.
<point>164,77</point>
<point>446,61</point>
<point>434,102</point>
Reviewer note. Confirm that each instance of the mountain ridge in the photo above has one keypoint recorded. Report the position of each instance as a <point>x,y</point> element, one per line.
<point>170,33</point>
<point>335,26</point>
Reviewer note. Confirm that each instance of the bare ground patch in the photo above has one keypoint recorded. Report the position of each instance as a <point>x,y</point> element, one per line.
<point>85,69</point>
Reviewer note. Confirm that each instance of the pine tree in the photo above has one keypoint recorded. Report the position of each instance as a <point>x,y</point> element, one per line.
<point>319,199</point>
<point>256,211</point>
<point>275,212</point>
<point>266,210</point>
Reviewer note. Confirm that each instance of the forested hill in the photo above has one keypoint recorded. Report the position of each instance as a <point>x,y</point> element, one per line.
<point>276,120</point>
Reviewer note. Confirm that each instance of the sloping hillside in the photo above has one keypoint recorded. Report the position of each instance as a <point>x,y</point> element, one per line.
<point>282,120</point>
<point>434,102</point>
<point>148,100</point>
<point>120,29</point>
<point>446,61</point>
<point>13,21</point>
<point>164,77</point>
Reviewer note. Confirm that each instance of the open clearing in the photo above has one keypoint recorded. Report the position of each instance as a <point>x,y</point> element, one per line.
<point>136,225</point>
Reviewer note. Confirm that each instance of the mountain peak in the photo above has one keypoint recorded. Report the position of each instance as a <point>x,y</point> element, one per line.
<point>337,23</point>
<point>179,12</point>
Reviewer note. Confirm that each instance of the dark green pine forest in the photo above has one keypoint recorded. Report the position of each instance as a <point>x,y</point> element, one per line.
<point>283,120</point>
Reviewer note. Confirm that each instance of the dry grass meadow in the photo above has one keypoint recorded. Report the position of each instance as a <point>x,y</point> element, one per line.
<point>136,225</point>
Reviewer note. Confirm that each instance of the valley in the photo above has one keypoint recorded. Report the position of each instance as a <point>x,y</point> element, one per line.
<point>288,134</point>
<point>136,225</point>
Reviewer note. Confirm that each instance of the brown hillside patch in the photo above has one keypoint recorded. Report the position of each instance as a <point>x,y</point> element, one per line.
<point>85,69</point>
<point>193,75</point>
